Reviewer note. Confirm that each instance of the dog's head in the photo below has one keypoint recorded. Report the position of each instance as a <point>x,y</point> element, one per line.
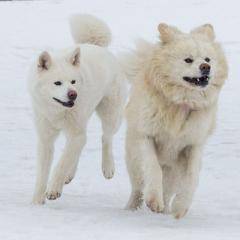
<point>189,68</point>
<point>57,79</point>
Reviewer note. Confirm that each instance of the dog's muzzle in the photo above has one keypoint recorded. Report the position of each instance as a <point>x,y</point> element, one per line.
<point>200,81</point>
<point>72,96</point>
<point>65,104</point>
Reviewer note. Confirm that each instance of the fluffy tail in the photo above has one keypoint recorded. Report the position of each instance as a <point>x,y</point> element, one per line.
<point>135,62</point>
<point>89,29</point>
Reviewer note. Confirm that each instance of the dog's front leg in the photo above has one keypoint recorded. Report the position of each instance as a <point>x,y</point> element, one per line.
<point>189,165</point>
<point>69,160</point>
<point>46,138</point>
<point>153,191</point>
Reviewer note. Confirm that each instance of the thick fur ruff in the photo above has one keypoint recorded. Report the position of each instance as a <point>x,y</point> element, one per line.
<point>168,118</point>
<point>66,87</point>
<point>89,29</point>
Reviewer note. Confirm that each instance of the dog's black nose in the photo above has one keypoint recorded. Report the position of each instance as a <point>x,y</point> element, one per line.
<point>205,68</point>
<point>72,95</point>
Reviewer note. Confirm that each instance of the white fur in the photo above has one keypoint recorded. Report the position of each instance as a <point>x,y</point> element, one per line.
<point>89,29</point>
<point>100,86</point>
<point>168,119</point>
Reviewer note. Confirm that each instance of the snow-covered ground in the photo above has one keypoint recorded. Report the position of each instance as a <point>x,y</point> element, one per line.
<point>92,207</point>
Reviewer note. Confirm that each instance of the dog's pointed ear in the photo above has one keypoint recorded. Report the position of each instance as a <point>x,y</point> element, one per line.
<point>44,61</point>
<point>167,33</point>
<point>205,30</point>
<point>75,57</point>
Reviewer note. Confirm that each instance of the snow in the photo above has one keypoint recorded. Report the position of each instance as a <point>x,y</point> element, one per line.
<point>92,207</point>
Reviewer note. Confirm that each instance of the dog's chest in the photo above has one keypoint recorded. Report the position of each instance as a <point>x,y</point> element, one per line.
<point>168,147</point>
<point>68,121</point>
<point>193,130</point>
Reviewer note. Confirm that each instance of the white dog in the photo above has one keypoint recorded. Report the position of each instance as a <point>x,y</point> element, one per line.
<point>66,88</point>
<point>171,113</point>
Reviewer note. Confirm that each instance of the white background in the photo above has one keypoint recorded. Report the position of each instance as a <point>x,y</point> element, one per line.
<point>92,207</point>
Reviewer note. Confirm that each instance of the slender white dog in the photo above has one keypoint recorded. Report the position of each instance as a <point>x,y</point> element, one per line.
<point>66,88</point>
<point>171,113</point>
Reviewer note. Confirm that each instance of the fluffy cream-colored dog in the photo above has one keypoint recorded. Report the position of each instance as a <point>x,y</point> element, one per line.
<point>67,87</point>
<point>171,113</point>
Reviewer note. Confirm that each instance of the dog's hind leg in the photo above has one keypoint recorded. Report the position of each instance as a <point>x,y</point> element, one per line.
<point>144,168</point>
<point>46,138</point>
<point>135,171</point>
<point>110,111</point>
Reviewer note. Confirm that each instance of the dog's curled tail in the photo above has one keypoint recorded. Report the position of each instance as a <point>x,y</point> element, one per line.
<point>134,63</point>
<point>89,29</point>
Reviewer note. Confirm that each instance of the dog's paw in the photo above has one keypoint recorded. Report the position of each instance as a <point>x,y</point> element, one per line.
<point>68,179</point>
<point>55,187</point>
<point>154,202</point>
<point>166,211</point>
<point>179,207</point>
<point>53,195</point>
<point>132,207</point>
<point>180,213</point>
<point>135,201</point>
<point>108,170</point>
<point>54,191</point>
<point>38,200</point>
<point>70,175</point>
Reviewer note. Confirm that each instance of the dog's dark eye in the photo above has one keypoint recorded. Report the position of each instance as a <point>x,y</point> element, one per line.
<point>58,83</point>
<point>188,60</point>
<point>73,81</point>
<point>207,59</point>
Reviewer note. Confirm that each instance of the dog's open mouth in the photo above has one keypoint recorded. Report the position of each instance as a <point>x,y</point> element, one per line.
<point>65,104</point>
<point>200,81</point>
